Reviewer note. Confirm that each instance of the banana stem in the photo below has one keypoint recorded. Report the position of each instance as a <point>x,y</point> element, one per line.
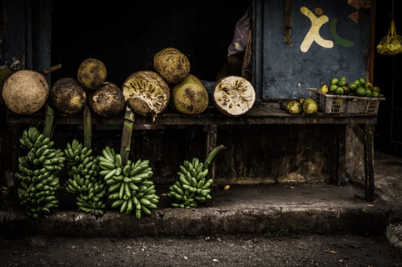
<point>126,135</point>
<point>212,155</point>
<point>48,124</point>
<point>87,127</point>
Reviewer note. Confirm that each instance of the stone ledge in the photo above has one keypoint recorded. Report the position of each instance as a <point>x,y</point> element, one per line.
<point>202,221</point>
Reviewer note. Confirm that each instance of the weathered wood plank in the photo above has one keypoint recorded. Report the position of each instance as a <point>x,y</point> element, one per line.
<point>369,162</point>
<point>358,132</point>
<point>341,170</point>
<point>212,134</point>
<point>266,114</point>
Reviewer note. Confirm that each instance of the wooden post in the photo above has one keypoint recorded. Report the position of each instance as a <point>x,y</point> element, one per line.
<point>369,162</point>
<point>341,171</point>
<point>126,135</point>
<point>87,127</point>
<point>212,132</point>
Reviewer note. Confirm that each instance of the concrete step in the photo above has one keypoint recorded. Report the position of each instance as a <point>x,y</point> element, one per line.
<point>321,209</point>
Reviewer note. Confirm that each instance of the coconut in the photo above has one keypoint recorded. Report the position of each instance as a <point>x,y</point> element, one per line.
<point>233,95</point>
<point>190,96</point>
<point>107,100</point>
<point>172,65</point>
<point>25,92</point>
<point>91,73</point>
<point>68,96</point>
<point>146,93</point>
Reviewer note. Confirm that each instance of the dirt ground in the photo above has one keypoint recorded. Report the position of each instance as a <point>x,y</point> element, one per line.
<point>270,249</point>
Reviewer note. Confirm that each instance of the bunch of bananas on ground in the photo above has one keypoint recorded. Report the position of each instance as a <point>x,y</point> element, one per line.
<point>83,179</point>
<point>130,186</point>
<point>37,173</point>
<point>192,186</point>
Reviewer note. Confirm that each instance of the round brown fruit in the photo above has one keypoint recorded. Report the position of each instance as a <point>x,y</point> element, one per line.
<point>172,65</point>
<point>91,73</point>
<point>25,92</point>
<point>107,100</point>
<point>68,96</point>
<point>190,96</point>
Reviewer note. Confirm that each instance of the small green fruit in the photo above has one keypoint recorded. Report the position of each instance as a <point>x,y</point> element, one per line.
<point>339,91</point>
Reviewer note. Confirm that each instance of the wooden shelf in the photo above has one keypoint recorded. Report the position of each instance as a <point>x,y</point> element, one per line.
<point>265,113</point>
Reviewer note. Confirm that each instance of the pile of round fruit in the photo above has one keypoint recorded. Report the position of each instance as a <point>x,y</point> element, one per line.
<point>358,87</point>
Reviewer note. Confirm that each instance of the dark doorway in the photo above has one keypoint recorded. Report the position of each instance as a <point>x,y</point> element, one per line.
<point>126,36</point>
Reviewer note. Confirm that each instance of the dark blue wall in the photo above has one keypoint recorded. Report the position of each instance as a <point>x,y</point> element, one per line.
<point>287,71</point>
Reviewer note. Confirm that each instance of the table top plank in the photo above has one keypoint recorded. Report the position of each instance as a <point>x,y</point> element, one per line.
<point>263,113</point>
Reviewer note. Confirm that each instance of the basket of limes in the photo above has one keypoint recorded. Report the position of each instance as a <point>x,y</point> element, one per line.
<point>339,96</point>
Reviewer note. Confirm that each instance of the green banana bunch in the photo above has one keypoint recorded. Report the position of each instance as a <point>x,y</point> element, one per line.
<point>129,186</point>
<point>83,178</point>
<point>193,186</point>
<point>37,172</point>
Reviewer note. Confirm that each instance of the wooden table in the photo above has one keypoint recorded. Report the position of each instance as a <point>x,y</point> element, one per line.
<point>262,113</point>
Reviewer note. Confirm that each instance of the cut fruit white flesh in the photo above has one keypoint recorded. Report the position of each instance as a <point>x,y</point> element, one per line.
<point>233,95</point>
<point>146,93</point>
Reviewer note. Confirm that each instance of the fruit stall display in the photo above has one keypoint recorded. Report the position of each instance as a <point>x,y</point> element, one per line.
<point>355,97</point>
<point>111,177</point>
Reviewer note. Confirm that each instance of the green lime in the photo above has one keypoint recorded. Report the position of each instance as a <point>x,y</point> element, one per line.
<point>333,87</point>
<point>376,94</point>
<point>320,88</point>
<point>369,93</point>
<point>352,86</point>
<point>339,91</point>
<point>342,83</point>
<point>360,91</point>
<point>343,78</point>
<point>334,81</point>
<point>362,81</point>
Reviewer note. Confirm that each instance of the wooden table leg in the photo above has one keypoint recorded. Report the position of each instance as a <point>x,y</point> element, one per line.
<point>369,162</point>
<point>341,171</point>
<point>212,133</point>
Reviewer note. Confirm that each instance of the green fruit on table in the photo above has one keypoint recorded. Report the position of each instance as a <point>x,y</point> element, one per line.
<point>362,81</point>
<point>310,106</point>
<point>376,94</point>
<point>352,86</point>
<point>368,85</point>
<point>360,91</point>
<point>369,93</point>
<point>346,89</point>
<point>334,81</point>
<point>333,87</point>
<point>339,91</point>
<point>376,88</point>
<point>342,82</point>
<point>294,107</point>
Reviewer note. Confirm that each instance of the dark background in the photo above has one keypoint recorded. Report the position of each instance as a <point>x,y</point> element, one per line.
<point>388,76</point>
<point>127,36</point>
